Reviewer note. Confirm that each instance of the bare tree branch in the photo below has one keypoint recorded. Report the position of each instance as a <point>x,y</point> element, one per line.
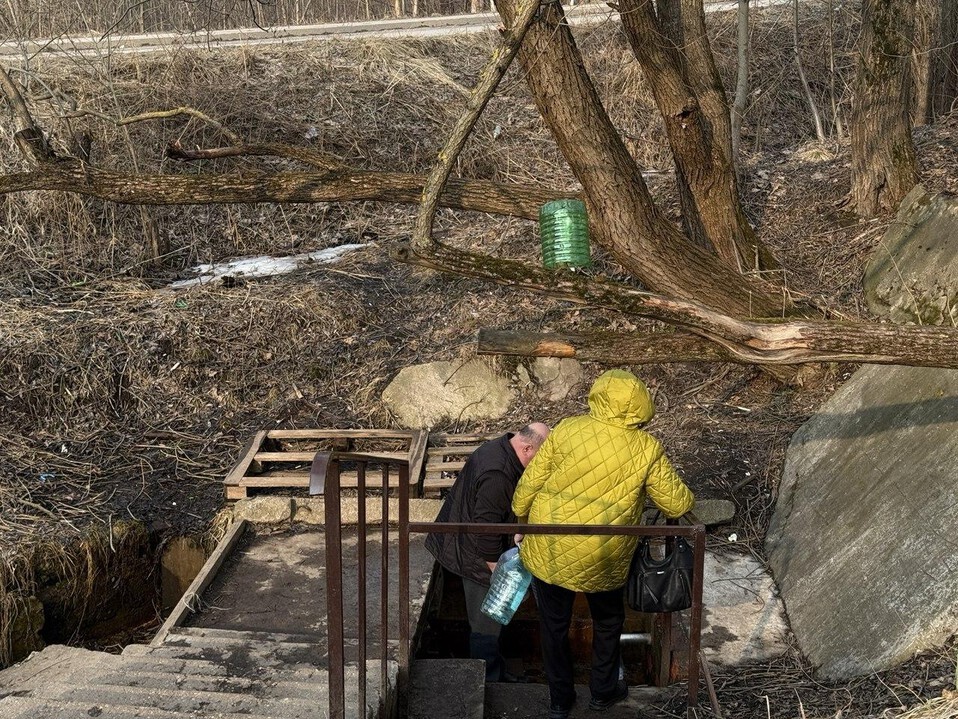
<point>478,99</point>
<point>310,157</point>
<point>28,135</point>
<point>176,112</point>
<point>71,175</point>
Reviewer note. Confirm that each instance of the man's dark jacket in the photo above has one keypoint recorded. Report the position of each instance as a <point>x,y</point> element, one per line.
<point>482,493</point>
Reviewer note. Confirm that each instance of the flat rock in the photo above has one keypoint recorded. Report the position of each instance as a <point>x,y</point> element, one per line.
<point>860,540</point>
<point>913,274</point>
<point>264,510</point>
<point>743,618</point>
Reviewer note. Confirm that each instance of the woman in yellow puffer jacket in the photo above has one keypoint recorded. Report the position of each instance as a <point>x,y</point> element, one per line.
<point>592,469</point>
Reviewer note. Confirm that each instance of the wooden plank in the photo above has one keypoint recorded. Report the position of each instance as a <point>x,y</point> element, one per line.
<point>441,438</point>
<point>234,493</point>
<point>347,480</point>
<point>435,482</point>
<point>249,454</point>
<point>201,582</point>
<point>444,466</point>
<point>287,481</point>
<point>417,455</point>
<point>333,433</point>
<point>308,456</point>
<point>447,451</point>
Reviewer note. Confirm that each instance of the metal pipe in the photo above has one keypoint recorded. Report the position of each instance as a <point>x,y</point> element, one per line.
<point>361,582</point>
<point>334,594</point>
<point>404,628</point>
<point>636,638</point>
<point>384,594</point>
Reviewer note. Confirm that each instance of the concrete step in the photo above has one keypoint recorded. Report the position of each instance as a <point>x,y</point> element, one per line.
<point>266,687</point>
<point>178,700</point>
<point>446,689</point>
<point>244,636</point>
<point>239,659</point>
<point>154,664</point>
<point>531,701</point>
<point>33,708</point>
<point>56,661</point>
<point>136,662</point>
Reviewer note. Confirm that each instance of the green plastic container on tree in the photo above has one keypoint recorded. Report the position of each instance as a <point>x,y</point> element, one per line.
<point>564,231</point>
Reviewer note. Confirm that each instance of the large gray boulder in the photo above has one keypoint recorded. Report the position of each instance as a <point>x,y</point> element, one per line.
<point>427,395</point>
<point>913,274</point>
<point>862,541</point>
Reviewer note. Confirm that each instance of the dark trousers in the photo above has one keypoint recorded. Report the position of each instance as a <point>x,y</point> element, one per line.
<point>484,632</point>
<point>555,616</point>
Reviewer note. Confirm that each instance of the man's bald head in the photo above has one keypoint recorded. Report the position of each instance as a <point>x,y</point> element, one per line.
<point>526,441</point>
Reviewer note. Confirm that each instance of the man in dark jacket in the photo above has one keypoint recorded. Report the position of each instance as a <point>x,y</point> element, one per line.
<point>483,493</point>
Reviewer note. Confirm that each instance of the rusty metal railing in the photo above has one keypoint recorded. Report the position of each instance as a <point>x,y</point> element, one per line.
<point>329,464</point>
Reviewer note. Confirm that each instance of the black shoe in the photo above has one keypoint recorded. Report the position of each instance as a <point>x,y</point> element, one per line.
<point>557,711</point>
<point>508,678</point>
<point>600,705</point>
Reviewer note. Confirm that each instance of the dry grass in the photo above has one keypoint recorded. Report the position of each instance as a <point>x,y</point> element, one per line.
<point>123,400</point>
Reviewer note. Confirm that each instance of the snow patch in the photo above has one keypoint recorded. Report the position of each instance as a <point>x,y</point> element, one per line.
<point>262,266</point>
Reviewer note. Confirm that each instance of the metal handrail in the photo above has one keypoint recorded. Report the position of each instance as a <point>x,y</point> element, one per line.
<point>330,487</point>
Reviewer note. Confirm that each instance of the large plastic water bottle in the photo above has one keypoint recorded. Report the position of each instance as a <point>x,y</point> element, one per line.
<point>509,584</point>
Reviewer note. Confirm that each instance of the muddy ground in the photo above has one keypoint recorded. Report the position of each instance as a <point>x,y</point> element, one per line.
<point>124,399</point>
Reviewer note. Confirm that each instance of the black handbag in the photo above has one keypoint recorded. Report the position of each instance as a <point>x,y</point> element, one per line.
<point>660,585</point>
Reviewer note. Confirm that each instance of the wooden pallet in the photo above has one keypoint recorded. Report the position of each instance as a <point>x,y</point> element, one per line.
<point>446,454</point>
<point>281,458</point>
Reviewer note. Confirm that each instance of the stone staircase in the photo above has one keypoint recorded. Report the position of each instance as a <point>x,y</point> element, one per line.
<point>193,673</point>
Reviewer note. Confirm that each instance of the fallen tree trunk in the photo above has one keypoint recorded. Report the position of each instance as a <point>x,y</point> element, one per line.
<point>606,347</point>
<point>769,342</point>
<point>72,175</point>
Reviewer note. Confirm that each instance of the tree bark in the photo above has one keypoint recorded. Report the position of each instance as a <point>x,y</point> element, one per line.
<point>741,80</point>
<point>812,104</point>
<point>622,216</point>
<point>802,342</point>
<point>883,154</point>
<point>605,347</point>
<point>71,175</point>
<point>691,99</point>
<point>760,342</point>
<point>935,59</point>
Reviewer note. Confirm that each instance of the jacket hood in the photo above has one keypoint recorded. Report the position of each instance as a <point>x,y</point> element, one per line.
<point>620,398</point>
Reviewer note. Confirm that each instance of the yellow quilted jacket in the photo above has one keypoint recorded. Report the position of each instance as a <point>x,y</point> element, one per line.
<point>596,469</point>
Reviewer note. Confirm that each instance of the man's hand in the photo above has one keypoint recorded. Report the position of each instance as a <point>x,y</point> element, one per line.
<point>491,565</point>
<point>518,538</point>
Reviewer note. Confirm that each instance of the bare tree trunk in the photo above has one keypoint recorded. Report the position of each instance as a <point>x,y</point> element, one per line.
<point>935,59</point>
<point>71,175</point>
<point>621,211</point>
<point>821,342</point>
<point>837,124</point>
<point>689,95</point>
<point>812,104</point>
<point>741,84</point>
<point>883,154</point>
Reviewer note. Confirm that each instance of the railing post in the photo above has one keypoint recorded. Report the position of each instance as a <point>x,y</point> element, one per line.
<point>334,593</point>
<point>361,583</point>
<point>384,594</point>
<point>404,629</point>
<point>695,628</point>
